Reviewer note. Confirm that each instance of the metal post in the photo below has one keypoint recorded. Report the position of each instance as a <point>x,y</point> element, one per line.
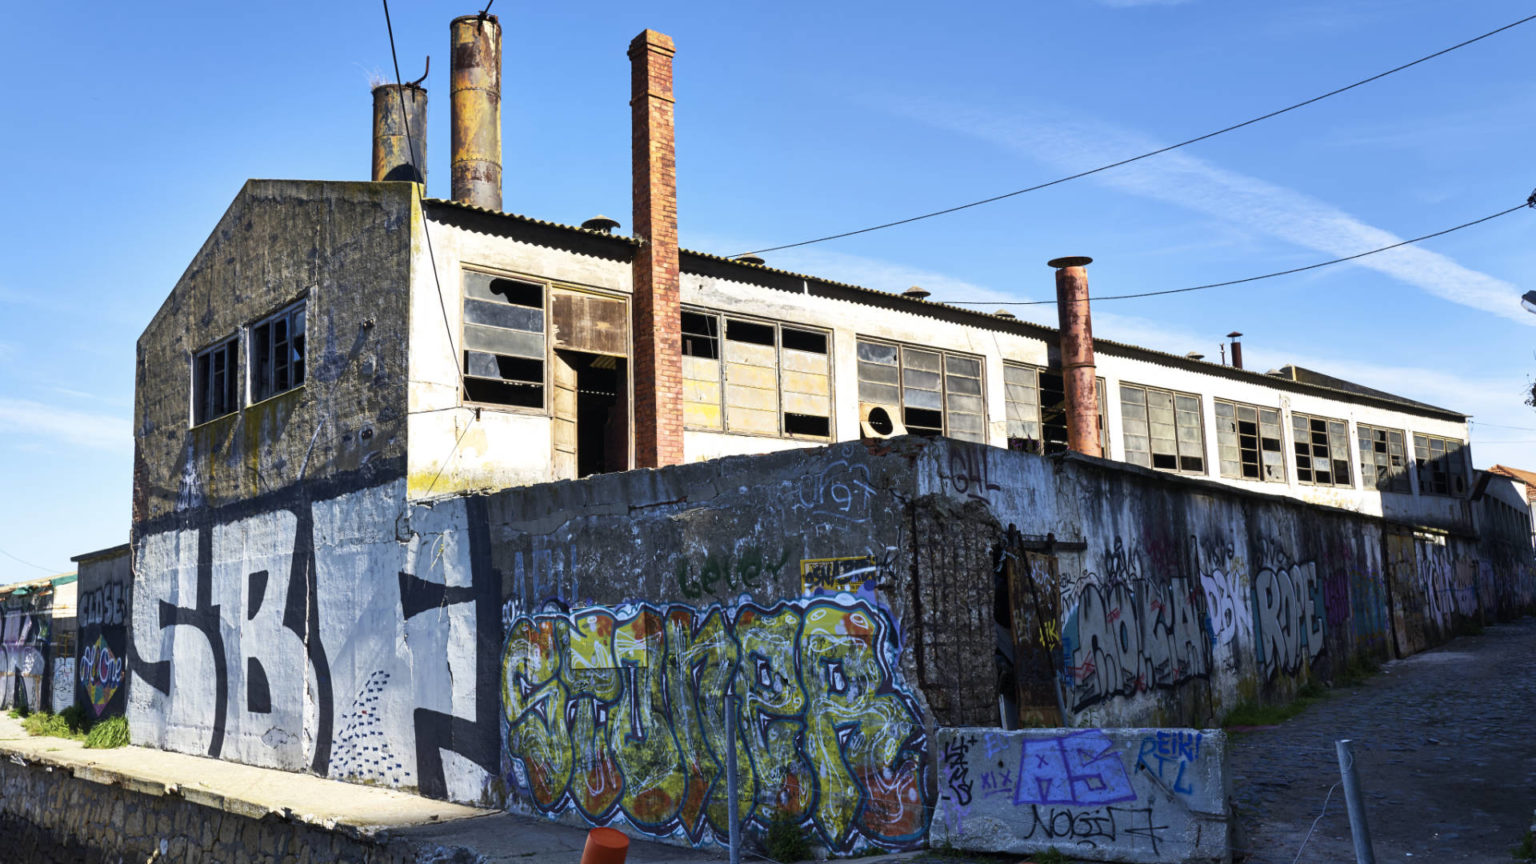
<point>732,808</point>
<point>1357,826</point>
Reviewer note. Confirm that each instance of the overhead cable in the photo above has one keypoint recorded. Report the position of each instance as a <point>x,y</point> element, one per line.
<point>1149,154</point>
<point>1356,256</point>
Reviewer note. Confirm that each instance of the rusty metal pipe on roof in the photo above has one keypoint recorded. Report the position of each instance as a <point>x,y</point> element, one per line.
<point>475,104</point>
<point>400,133</point>
<point>1077,366</point>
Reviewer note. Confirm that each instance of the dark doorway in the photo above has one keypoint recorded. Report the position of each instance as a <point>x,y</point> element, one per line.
<point>599,413</point>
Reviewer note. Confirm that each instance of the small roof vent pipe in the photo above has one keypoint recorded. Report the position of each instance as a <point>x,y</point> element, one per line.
<point>600,223</point>
<point>1195,355</point>
<point>917,293</point>
<point>750,259</point>
<point>1004,313</point>
<point>1237,349</point>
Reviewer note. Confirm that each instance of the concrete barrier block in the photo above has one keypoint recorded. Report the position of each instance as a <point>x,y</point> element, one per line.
<point>1154,795</point>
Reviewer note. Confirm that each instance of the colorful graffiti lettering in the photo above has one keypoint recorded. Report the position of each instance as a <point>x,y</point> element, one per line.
<point>101,673</point>
<point>619,715</point>
<point>25,625</point>
<point>1083,769</point>
<point>832,575</point>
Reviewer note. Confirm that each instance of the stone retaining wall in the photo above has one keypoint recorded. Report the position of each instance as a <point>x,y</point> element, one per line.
<point>53,814</point>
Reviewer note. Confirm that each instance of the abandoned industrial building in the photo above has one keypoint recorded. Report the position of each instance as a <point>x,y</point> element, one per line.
<point>385,526</point>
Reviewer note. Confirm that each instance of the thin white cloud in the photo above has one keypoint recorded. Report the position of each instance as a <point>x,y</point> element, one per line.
<point>1069,144</point>
<point>23,419</point>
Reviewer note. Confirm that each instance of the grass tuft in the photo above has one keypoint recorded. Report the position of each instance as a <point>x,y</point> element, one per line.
<point>109,733</point>
<point>50,724</point>
<point>1526,851</point>
<point>1255,714</point>
<point>785,840</point>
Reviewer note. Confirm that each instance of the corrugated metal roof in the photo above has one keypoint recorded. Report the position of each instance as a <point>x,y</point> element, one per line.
<point>936,309</point>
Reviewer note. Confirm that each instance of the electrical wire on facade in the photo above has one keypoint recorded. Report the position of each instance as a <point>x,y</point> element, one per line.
<point>1207,136</point>
<point>1320,264</point>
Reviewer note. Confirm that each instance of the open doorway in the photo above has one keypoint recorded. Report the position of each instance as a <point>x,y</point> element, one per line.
<point>591,413</point>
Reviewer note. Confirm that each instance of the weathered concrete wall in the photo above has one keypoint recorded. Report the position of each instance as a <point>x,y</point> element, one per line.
<point>344,247</point>
<point>101,649</point>
<point>635,601</point>
<point>322,628</point>
<point>49,815</point>
<point>1122,794</point>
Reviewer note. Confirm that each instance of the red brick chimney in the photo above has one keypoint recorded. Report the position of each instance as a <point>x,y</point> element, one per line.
<point>1077,368</point>
<point>656,315</point>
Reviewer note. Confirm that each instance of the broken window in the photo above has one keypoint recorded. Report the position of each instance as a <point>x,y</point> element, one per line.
<point>504,348</point>
<point>1383,459</point>
<point>1162,429</point>
<point>1322,451</point>
<point>1441,464</point>
<point>215,382</point>
<point>277,353</point>
<point>1036,402</point>
<point>1249,442</point>
<point>769,378</point>
<point>935,392</point>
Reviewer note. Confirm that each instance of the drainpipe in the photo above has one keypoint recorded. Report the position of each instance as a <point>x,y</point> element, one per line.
<point>1077,367</point>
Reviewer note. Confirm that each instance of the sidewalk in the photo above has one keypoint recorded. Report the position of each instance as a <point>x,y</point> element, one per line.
<point>351,808</point>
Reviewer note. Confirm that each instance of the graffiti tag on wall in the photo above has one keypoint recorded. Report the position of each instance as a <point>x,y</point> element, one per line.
<point>618,714</point>
<point>26,623</point>
<point>1131,637</point>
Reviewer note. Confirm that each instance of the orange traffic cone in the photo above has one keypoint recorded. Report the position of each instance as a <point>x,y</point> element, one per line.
<point>605,846</point>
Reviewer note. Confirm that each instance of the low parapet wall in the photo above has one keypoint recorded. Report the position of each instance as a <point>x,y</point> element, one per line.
<point>1118,794</point>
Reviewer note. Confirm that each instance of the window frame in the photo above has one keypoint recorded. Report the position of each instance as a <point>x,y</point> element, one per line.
<point>1043,445</point>
<point>717,326</point>
<point>1199,412</point>
<point>1259,439</point>
<point>945,355</point>
<point>546,288</point>
<point>1420,468</point>
<point>1333,459</point>
<point>253,389</point>
<point>230,346</point>
<point>1377,482</point>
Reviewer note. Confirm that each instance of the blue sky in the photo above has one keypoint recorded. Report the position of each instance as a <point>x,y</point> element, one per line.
<point>132,126</point>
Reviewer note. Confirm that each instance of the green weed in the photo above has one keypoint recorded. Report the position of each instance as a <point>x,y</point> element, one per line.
<point>1526,851</point>
<point>109,733</point>
<point>1255,714</point>
<point>48,723</point>
<point>785,840</point>
<point>1359,670</point>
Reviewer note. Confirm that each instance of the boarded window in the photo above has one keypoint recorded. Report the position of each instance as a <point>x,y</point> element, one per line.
<point>701,371</point>
<point>755,377</point>
<point>1322,451</point>
<point>935,392</point>
<point>504,348</point>
<point>1383,459</point>
<point>215,382</point>
<point>1036,402</point>
<point>1249,442</point>
<point>1162,429</point>
<point>277,353</point>
<point>1441,465</point>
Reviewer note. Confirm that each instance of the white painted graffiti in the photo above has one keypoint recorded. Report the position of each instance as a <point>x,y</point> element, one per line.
<point>1290,619</point>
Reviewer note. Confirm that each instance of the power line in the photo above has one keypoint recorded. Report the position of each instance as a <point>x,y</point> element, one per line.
<point>431,256</point>
<point>28,563</point>
<point>1149,154</point>
<point>1253,278</point>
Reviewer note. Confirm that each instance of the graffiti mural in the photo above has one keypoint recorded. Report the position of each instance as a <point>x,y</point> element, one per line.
<point>1119,794</point>
<point>26,625</point>
<point>102,618</point>
<point>1135,636</point>
<point>618,715</point>
<point>1290,618</point>
<point>298,634</point>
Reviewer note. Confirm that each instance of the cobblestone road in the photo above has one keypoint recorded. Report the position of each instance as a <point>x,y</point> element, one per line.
<point>1446,751</point>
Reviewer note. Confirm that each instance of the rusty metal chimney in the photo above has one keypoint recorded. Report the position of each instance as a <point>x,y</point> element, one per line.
<point>475,42</point>
<point>400,133</point>
<point>1237,349</point>
<point>1077,367</point>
